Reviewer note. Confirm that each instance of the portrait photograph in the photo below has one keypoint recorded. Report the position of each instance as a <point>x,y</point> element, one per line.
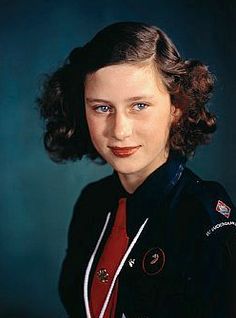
<point>118,159</point>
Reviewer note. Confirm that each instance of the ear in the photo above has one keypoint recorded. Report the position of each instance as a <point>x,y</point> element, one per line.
<point>176,113</point>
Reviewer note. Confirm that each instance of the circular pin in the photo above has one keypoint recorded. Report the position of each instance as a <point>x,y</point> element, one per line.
<point>103,275</point>
<point>153,261</point>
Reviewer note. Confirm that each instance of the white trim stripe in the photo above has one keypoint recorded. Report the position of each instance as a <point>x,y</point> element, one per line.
<point>88,269</point>
<point>120,268</point>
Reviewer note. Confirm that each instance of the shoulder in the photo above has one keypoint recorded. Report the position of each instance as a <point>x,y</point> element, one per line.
<point>97,198</point>
<point>92,205</point>
<point>213,201</point>
<point>97,191</point>
<point>98,186</point>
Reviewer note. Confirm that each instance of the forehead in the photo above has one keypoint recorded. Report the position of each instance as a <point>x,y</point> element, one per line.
<point>124,78</point>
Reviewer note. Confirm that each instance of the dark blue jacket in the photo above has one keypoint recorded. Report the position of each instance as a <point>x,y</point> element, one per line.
<point>184,262</point>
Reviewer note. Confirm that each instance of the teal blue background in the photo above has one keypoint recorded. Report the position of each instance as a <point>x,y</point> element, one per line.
<point>37,195</point>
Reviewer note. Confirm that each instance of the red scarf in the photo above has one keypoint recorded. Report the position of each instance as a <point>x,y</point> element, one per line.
<point>109,261</point>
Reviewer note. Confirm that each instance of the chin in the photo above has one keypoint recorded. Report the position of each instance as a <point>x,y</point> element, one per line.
<point>125,167</point>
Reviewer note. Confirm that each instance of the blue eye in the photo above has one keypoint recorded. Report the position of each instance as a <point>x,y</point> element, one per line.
<point>102,109</point>
<point>140,106</point>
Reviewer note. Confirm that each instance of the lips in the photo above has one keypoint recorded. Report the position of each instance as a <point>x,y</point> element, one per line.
<point>123,152</point>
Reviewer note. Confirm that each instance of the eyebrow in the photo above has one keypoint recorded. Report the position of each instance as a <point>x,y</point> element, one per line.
<point>131,99</point>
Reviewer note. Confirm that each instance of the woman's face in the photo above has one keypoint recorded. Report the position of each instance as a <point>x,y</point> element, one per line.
<point>129,115</point>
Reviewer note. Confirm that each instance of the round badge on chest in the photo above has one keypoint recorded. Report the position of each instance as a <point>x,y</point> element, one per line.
<point>153,261</point>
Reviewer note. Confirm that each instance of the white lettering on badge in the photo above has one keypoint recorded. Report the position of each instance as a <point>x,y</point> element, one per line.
<point>218,226</point>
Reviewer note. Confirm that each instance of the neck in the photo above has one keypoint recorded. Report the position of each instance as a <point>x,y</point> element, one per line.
<point>132,181</point>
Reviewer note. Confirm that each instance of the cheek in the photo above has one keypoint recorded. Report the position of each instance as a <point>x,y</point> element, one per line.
<point>158,126</point>
<point>95,130</point>
<point>90,126</point>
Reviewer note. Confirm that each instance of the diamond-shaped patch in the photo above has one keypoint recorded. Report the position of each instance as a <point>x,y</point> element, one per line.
<point>222,208</point>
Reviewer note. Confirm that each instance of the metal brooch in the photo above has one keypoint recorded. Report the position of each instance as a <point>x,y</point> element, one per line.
<point>103,275</point>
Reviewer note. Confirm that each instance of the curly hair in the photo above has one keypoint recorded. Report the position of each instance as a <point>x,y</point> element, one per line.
<point>188,82</point>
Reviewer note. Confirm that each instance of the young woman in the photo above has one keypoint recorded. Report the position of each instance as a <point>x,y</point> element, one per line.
<point>152,239</point>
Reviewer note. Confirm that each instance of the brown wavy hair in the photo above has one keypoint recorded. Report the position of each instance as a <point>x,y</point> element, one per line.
<point>188,82</point>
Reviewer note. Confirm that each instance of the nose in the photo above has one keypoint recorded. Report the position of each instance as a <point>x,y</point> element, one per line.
<point>121,126</point>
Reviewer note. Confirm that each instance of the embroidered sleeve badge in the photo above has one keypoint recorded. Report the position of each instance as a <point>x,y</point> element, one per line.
<point>223,209</point>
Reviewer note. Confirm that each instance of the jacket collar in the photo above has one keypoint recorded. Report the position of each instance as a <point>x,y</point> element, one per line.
<point>148,197</point>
